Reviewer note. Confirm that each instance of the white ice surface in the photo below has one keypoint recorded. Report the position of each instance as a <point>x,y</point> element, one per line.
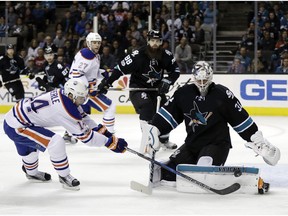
<point>105,177</point>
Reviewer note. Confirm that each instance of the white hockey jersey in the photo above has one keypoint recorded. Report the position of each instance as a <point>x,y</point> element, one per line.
<point>86,65</point>
<point>55,109</point>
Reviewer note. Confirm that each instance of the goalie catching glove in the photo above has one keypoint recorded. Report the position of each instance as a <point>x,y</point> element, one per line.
<point>261,146</point>
<point>117,145</point>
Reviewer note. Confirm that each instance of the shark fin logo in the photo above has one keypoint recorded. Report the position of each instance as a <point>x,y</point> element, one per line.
<point>196,117</point>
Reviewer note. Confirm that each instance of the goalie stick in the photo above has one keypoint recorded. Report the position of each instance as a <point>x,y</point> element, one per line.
<point>232,188</point>
<point>138,186</point>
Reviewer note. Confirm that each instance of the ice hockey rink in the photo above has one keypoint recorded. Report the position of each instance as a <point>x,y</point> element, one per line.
<point>105,177</point>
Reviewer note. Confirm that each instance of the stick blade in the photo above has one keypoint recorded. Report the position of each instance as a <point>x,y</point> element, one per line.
<point>232,188</point>
<point>141,188</point>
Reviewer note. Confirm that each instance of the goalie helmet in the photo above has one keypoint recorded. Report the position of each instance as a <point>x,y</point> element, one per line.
<point>78,89</point>
<point>92,36</point>
<point>203,74</point>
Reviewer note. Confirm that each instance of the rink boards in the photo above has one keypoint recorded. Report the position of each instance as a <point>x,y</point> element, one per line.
<point>259,94</point>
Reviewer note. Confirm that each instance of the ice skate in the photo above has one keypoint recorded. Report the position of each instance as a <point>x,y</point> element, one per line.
<point>39,177</point>
<point>168,145</point>
<point>263,187</point>
<point>69,139</point>
<point>69,182</point>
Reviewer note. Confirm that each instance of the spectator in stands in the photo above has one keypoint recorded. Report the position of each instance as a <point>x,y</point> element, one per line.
<point>50,11</point>
<point>39,17</point>
<point>267,43</point>
<point>249,42</point>
<point>68,52</point>
<point>134,31</point>
<point>183,56</point>
<point>244,59</point>
<point>158,21</point>
<point>12,16</point>
<point>273,31</point>
<point>120,5</point>
<point>19,30</point>
<point>208,17</point>
<point>33,48</point>
<point>3,27</point>
<point>284,21</point>
<point>282,39</point>
<point>112,24</point>
<point>143,38</point>
<point>165,13</point>
<point>31,66</point>
<point>28,20</point>
<point>39,59</point>
<point>185,31</point>
<point>107,59</point>
<point>236,66</point>
<point>68,22</point>
<point>284,66</point>
<point>165,33</point>
<point>198,34</point>
<point>262,64</point>
<point>76,8</point>
<point>59,40</point>
<point>80,25</point>
<point>195,14</point>
<point>105,33</point>
<point>274,21</point>
<point>278,10</point>
<point>117,51</point>
<point>134,46</point>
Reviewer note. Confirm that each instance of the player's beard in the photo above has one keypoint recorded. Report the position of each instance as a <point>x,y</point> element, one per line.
<point>154,53</point>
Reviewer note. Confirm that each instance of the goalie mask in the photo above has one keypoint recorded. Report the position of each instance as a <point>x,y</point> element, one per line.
<point>77,89</point>
<point>203,74</point>
<point>91,38</point>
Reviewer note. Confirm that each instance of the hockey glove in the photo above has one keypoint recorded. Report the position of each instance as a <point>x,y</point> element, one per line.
<point>103,86</point>
<point>263,147</point>
<point>102,130</point>
<point>164,86</point>
<point>117,145</point>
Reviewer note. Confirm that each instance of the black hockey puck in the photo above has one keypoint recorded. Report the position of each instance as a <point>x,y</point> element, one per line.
<point>237,173</point>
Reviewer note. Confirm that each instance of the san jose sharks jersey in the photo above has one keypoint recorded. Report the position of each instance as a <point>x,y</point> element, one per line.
<point>55,109</point>
<point>55,74</point>
<point>10,68</point>
<point>206,118</point>
<point>146,72</point>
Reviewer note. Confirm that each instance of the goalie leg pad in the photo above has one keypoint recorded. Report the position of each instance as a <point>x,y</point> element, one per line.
<point>218,177</point>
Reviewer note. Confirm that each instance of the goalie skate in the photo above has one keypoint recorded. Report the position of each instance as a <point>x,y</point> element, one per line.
<point>69,139</point>
<point>69,182</point>
<point>168,145</point>
<point>39,177</point>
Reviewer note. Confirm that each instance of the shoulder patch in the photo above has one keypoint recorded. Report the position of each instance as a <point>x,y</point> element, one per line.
<point>70,107</point>
<point>87,53</point>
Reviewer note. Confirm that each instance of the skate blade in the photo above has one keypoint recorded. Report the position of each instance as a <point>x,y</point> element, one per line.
<point>38,181</point>
<point>76,188</point>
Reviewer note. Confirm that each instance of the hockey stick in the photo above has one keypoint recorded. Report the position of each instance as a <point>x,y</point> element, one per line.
<point>138,186</point>
<point>232,188</point>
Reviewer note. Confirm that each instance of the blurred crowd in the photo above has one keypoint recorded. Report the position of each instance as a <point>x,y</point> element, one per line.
<point>123,26</point>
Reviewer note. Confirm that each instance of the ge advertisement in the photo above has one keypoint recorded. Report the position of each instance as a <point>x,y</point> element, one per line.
<point>259,94</point>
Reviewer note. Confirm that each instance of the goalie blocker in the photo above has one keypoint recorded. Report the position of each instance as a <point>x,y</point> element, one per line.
<point>220,177</point>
